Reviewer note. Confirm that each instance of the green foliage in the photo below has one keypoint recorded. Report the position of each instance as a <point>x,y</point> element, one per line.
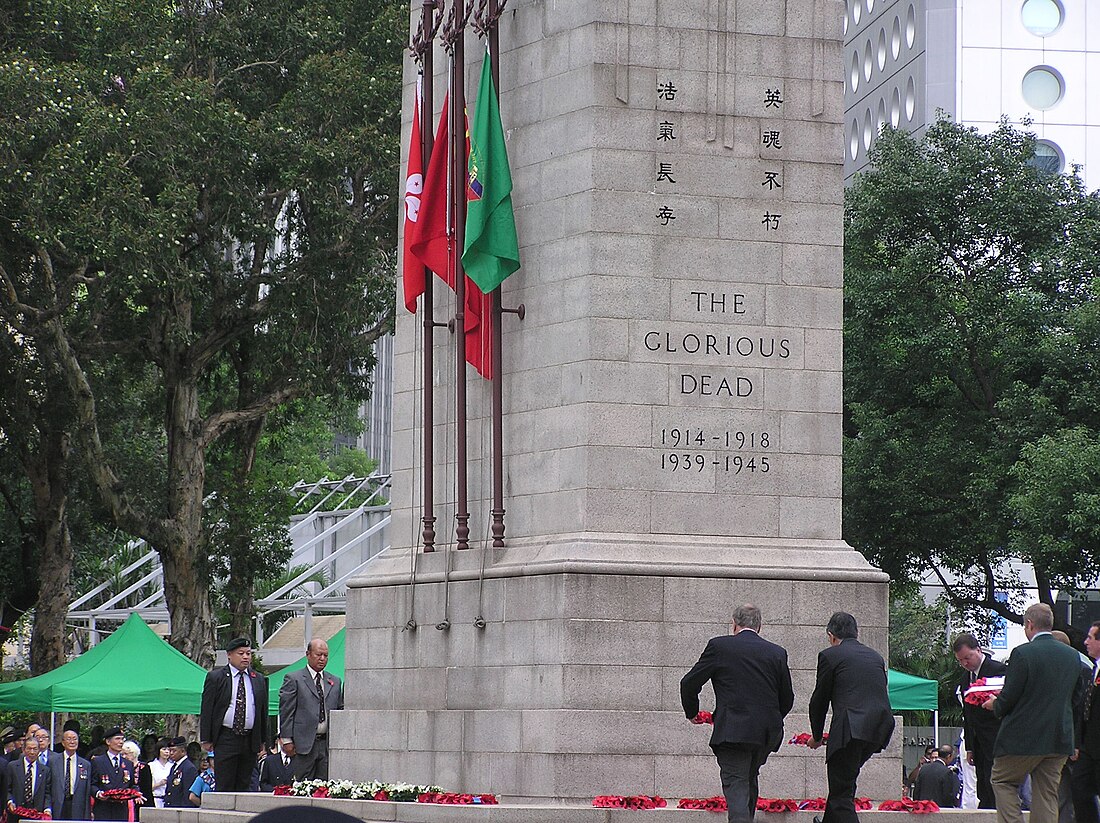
<point>197,224</point>
<point>919,646</point>
<point>972,366</point>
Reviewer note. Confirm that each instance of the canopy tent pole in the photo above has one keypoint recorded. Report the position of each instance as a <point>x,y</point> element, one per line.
<point>936,727</point>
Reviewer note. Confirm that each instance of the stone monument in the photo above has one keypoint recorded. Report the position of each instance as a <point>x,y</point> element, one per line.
<point>672,417</point>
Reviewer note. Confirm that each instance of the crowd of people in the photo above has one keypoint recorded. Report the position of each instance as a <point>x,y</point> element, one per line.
<point>1032,741</point>
<point>106,777</point>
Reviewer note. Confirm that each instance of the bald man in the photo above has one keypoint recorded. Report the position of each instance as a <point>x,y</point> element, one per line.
<point>306,701</point>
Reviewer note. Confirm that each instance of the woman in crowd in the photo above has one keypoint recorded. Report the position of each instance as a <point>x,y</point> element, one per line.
<point>159,767</point>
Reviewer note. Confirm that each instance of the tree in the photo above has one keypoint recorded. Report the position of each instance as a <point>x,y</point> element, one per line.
<point>196,189</point>
<point>972,374</point>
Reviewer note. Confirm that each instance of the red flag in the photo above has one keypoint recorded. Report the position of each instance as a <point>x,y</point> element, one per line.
<point>413,269</point>
<point>429,242</point>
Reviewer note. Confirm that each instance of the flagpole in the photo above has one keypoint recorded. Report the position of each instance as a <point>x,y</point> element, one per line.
<point>427,62</point>
<point>497,512</point>
<point>458,175</point>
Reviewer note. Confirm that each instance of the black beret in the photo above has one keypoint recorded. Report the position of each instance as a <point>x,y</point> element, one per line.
<point>164,743</point>
<point>238,643</point>
<point>177,741</point>
<point>114,731</point>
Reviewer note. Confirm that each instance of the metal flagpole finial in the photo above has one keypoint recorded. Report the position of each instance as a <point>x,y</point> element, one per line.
<point>456,22</point>
<point>423,39</point>
<point>484,19</point>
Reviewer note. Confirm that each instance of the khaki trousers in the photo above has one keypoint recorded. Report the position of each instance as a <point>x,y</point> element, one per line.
<point>1009,771</point>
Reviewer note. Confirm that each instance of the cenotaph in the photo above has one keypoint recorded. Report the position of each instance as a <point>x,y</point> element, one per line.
<point>672,417</point>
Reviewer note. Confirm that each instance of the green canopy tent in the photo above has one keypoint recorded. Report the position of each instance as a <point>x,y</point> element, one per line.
<point>335,665</point>
<point>131,672</point>
<point>911,693</point>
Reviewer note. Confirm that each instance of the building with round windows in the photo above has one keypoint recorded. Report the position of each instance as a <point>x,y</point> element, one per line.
<point>976,60</point>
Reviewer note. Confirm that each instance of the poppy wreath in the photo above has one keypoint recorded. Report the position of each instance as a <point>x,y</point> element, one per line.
<point>121,795</point>
<point>283,791</point>
<point>456,799</point>
<point>705,804</point>
<point>804,739</point>
<point>775,804</point>
<point>976,696</point>
<point>704,717</point>
<point>911,806</point>
<point>812,804</point>
<point>28,814</point>
<point>632,802</point>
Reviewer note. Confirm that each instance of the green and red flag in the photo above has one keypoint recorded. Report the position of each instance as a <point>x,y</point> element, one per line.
<point>491,250</point>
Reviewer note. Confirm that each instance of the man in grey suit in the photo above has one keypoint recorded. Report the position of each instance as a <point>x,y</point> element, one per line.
<point>71,777</point>
<point>1038,733</point>
<point>306,701</point>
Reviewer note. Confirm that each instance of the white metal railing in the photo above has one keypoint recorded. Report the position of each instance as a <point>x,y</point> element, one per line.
<point>368,520</point>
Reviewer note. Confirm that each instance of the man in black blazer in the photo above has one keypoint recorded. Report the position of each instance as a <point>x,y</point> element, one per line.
<point>29,769</point>
<point>1086,771</point>
<point>277,768</point>
<point>852,677</point>
<point>979,726</point>
<point>233,719</point>
<point>752,693</point>
<point>936,782</point>
<point>112,771</point>
<point>180,777</point>
<point>71,775</point>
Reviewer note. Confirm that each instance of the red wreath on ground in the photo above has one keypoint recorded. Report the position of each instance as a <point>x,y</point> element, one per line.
<point>812,804</point>
<point>863,804</point>
<point>775,804</point>
<point>282,791</point>
<point>911,806</point>
<point>320,791</point>
<point>381,794</point>
<point>457,799</point>
<point>29,814</point>
<point>632,802</point>
<point>704,804</point>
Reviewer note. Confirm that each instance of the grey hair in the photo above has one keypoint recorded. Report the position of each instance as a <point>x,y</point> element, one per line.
<point>747,617</point>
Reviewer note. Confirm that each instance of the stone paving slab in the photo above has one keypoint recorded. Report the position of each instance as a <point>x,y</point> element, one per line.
<point>238,808</point>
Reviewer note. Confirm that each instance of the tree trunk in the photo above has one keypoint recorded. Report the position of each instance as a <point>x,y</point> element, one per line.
<point>241,585</point>
<point>186,580</point>
<point>47,471</point>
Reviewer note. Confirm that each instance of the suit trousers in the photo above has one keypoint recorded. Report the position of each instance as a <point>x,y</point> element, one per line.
<point>1009,771</point>
<point>233,761</point>
<point>1086,786</point>
<point>739,765</point>
<point>842,768</point>
<point>312,766</point>
<point>983,768</point>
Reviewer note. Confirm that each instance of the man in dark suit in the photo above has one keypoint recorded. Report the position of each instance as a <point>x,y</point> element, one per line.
<point>71,776</point>
<point>936,782</point>
<point>752,693</point>
<point>112,771</point>
<point>307,699</point>
<point>1042,685</point>
<point>1086,771</point>
<point>233,719</point>
<point>277,768</point>
<point>852,677</point>
<point>29,784</point>
<point>180,777</point>
<point>979,726</point>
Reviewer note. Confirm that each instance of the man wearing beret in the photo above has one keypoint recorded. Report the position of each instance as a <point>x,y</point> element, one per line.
<point>112,771</point>
<point>233,720</point>
<point>180,776</point>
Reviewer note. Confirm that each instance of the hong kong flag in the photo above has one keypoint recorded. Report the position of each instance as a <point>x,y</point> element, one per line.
<point>426,238</point>
<point>413,268</point>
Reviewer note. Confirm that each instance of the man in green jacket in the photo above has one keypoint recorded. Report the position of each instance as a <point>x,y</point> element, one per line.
<point>1036,708</point>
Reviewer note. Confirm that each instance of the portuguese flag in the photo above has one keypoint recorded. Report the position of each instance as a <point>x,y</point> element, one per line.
<point>491,251</point>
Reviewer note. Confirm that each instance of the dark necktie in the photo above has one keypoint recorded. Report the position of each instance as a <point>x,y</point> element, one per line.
<point>1088,696</point>
<point>238,711</point>
<point>115,760</point>
<point>28,785</point>
<point>286,761</point>
<point>68,775</point>
<point>321,697</point>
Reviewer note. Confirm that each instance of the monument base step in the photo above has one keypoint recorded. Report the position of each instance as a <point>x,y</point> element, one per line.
<point>223,807</point>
